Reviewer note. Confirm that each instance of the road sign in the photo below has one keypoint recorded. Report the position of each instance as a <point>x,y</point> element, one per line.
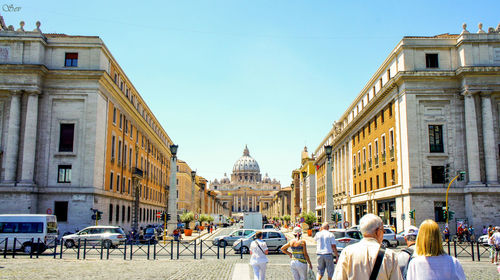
<point>196,216</point>
<point>158,215</point>
<point>49,211</point>
<point>302,220</point>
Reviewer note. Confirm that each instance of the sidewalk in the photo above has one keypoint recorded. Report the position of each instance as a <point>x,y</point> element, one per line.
<point>203,234</point>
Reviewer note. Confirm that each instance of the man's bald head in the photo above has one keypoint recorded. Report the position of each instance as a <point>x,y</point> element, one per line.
<point>325,225</point>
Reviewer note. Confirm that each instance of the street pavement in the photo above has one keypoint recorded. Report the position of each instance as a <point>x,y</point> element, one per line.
<point>22,267</point>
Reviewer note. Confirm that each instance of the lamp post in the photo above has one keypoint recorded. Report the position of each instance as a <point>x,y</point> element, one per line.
<point>293,201</point>
<point>193,181</point>
<point>172,194</point>
<point>304,193</point>
<point>329,185</point>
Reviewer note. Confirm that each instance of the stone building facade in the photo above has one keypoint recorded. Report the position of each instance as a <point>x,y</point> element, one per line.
<point>247,190</point>
<point>76,134</point>
<point>432,109</point>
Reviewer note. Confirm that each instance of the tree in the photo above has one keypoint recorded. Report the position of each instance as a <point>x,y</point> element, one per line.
<point>187,217</point>
<point>309,218</point>
<point>287,218</point>
<point>202,218</point>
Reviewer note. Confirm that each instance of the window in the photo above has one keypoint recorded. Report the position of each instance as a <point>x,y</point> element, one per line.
<point>114,115</point>
<point>431,60</point>
<point>385,179</point>
<point>64,174</point>
<point>382,116</point>
<point>117,183</point>
<point>110,213</point>
<point>71,60</point>
<point>66,137</point>
<point>117,213</point>
<point>120,121</point>
<point>125,155</point>
<point>111,181</point>
<point>378,182</point>
<point>128,188</point>
<point>437,174</point>
<point>128,213</point>
<point>393,177</point>
<point>369,127</point>
<point>112,147</point>
<point>439,206</point>
<point>123,213</point>
<point>390,110</point>
<point>436,138</point>
<point>375,122</point>
<point>119,150</point>
<point>61,210</point>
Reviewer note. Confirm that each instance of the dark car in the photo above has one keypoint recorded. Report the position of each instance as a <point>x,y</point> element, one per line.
<point>150,235</point>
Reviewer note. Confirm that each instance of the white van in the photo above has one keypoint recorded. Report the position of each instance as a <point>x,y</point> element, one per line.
<point>24,227</point>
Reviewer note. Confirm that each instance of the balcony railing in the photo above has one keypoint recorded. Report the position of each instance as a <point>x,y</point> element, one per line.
<point>137,173</point>
<point>383,157</point>
<point>391,153</point>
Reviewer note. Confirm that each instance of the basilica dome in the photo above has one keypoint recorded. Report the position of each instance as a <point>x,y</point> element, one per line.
<point>246,163</point>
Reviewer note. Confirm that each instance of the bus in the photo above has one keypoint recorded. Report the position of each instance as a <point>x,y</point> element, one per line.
<point>33,232</point>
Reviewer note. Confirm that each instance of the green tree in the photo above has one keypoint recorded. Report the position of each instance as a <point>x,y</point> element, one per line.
<point>187,217</point>
<point>309,218</point>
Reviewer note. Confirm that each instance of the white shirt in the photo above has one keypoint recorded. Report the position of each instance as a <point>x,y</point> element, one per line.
<point>496,236</point>
<point>324,241</point>
<point>442,267</point>
<point>258,255</point>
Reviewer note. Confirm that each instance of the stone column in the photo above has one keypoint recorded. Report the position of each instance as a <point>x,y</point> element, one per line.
<point>471,136</point>
<point>329,192</point>
<point>489,140</point>
<point>29,141</point>
<point>12,149</point>
<point>172,195</point>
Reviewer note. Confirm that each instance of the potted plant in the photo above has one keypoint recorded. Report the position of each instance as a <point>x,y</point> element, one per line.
<point>287,219</point>
<point>186,218</point>
<point>309,219</point>
<point>202,218</point>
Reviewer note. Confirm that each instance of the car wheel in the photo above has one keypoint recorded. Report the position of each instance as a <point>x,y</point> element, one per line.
<point>107,244</point>
<point>222,243</point>
<point>386,244</point>
<point>27,248</point>
<point>244,250</point>
<point>69,243</point>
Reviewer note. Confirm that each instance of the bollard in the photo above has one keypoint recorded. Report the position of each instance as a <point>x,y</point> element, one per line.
<point>241,252</point>
<point>85,248</point>
<point>14,248</point>
<point>195,249</point>
<point>171,249</point>
<point>55,248</point>
<point>38,247</point>
<point>201,249</point>
<point>449,248</point>
<point>107,252</point>
<point>154,250</point>
<point>224,250</point>
<point>218,247</point>
<point>131,250</point>
<point>178,249</point>
<point>102,250</point>
<point>125,251</point>
<point>149,243</point>
<point>478,252</point>
<point>472,245</point>
<point>61,250</point>
<point>5,249</point>
<point>455,247</point>
<point>32,247</point>
<point>78,251</point>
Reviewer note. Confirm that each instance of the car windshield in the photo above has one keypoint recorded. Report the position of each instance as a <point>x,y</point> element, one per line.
<point>150,230</point>
<point>354,234</point>
<point>113,230</point>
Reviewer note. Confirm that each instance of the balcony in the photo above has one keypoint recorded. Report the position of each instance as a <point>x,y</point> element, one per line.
<point>137,173</point>
<point>391,153</point>
<point>383,157</point>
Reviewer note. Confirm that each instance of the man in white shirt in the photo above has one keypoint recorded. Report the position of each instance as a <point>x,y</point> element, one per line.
<point>357,261</point>
<point>325,247</point>
<point>496,238</point>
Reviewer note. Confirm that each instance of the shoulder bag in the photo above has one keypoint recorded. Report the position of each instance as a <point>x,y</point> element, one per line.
<point>378,264</point>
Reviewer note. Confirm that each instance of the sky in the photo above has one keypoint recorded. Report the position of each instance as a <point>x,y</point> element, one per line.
<point>270,74</point>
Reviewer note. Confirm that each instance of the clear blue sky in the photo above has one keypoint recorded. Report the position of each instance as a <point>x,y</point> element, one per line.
<point>271,74</point>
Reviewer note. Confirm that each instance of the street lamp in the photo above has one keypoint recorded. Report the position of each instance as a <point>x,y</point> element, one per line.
<point>329,184</point>
<point>304,193</point>
<point>172,194</point>
<point>193,181</point>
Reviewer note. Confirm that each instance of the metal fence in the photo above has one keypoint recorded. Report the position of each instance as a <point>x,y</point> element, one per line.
<point>85,249</point>
<point>467,249</point>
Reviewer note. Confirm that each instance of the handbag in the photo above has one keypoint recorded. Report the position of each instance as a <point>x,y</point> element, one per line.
<point>311,275</point>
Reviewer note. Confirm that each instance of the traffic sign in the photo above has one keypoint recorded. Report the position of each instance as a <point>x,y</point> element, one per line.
<point>302,220</point>
<point>196,216</point>
<point>49,211</point>
<point>158,215</point>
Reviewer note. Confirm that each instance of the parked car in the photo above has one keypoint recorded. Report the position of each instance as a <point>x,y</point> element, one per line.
<point>274,240</point>
<point>268,226</point>
<point>483,239</point>
<point>150,235</point>
<point>346,237</point>
<point>228,240</point>
<point>389,238</point>
<point>108,236</point>
<point>400,237</point>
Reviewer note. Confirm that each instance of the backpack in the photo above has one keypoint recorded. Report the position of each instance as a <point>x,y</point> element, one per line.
<point>409,251</point>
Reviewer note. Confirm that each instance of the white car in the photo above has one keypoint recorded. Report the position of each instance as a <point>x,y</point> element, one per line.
<point>483,239</point>
<point>108,236</point>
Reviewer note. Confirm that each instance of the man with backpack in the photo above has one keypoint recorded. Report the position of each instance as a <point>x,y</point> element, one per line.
<point>406,255</point>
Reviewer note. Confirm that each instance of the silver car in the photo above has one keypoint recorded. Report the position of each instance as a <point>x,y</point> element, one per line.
<point>389,238</point>
<point>346,237</point>
<point>274,240</point>
<point>228,240</point>
<point>108,236</point>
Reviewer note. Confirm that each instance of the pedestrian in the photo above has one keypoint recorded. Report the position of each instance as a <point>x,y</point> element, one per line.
<point>491,244</point>
<point>406,255</point>
<point>446,233</point>
<point>430,261</point>
<point>367,259</point>
<point>258,258</point>
<point>299,255</point>
<point>496,239</point>
<point>326,246</point>
<point>485,230</point>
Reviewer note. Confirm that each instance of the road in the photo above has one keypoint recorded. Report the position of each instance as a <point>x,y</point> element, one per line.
<point>186,267</point>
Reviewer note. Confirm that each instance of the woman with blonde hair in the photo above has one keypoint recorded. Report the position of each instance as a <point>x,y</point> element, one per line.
<point>430,261</point>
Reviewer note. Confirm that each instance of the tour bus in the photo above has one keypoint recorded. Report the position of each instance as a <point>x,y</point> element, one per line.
<point>42,229</point>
